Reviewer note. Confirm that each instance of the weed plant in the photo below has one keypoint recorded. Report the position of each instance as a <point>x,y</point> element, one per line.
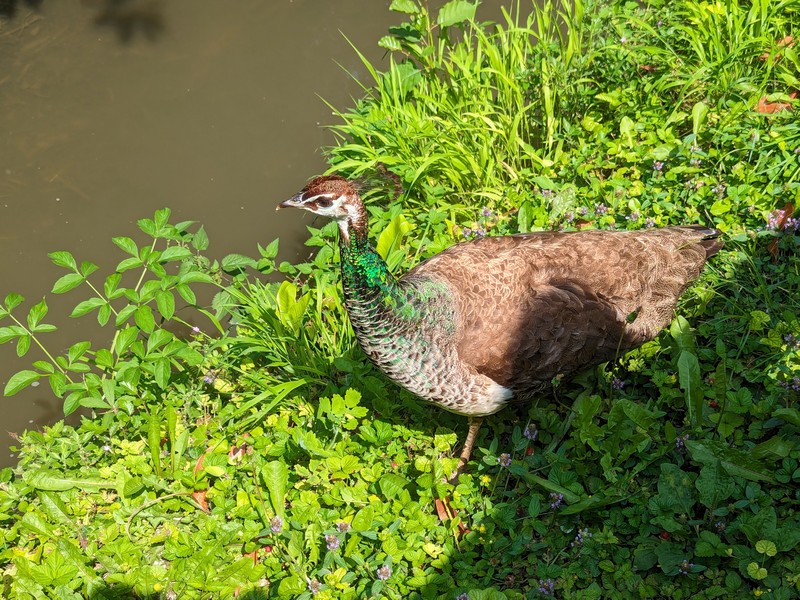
<point>248,449</point>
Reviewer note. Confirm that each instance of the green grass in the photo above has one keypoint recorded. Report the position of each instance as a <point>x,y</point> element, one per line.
<point>259,455</point>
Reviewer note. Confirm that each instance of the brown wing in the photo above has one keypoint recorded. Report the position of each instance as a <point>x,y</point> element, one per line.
<point>537,305</point>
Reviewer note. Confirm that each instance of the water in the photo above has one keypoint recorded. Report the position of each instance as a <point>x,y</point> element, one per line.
<point>112,109</point>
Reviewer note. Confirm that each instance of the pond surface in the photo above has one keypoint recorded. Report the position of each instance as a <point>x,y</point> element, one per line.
<point>115,108</point>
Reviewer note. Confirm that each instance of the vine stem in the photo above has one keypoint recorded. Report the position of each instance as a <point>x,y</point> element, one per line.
<point>42,348</point>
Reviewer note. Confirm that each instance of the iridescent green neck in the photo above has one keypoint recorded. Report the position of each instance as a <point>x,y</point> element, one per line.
<point>365,276</point>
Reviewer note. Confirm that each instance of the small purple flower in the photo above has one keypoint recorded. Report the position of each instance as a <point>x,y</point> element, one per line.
<point>720,526</point>
<point>634,216</point>
<point>569,216</point>
<point>623,40</point>
<point>331,541</point>
<point>695,162</point>
<point>556,500</point>
<point>546,587</point>
<point>466,232</point>
<point>582,536</point>
<point>531,432</point>
<point>106,448</point>
<point>343,526</point>
<point>195,330</point>
<point>583,211</point>
<point>719,189</point>
<point>617,383</point>
<point>384,572</point>
<point>210,376</point>
<point>480,232</point>
<point>504,459</point>
<point>649,222</point>
<point>797,150</point>
<point>794,385</point>
<point>486,211</point>
<point>685,566</point>
<point>600,209</point>
<point>680,441</point>
<point>314,586</point>
<point>658,166</point>
<point>463,596</point>
<point>547,193</point>
<point>276,524</point>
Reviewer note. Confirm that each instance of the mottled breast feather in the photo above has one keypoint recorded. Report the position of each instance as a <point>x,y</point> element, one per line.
<point>530,307</point>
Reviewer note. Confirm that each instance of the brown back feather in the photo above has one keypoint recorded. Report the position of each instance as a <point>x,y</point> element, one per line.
<point>533,306</point>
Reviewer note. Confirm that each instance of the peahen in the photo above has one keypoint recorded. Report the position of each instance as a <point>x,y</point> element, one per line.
<point>495,318</point>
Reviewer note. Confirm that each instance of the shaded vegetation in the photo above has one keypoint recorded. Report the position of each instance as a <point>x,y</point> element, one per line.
<point>249,447</point>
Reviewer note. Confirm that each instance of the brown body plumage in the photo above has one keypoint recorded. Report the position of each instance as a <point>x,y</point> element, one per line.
<point>500,317</point>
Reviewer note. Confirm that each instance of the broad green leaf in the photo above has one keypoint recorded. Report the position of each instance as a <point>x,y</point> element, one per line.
<point>691,384</point>
<point>78,350</point>
<point>42,479</point>
<point>626,129</point>
<point>390,43</point>
<point>87,268</point>
<point>32,522</point>
<point>63,259</point>
<point>200,239</point>
<point>362,521</point>
<point>677,486</point>
<point>58,383</point>
<point>23,345</point>
<point>291,309</point>
<point>144,318</point>
<point>37,313</point>
<point>756,572</point>
<point>292,586</point>
<point>699,117</point>
<point>128,264</point>
<point>12,301</point>
<point>404,6</point>
<point>127,244</point>
<point>235,262</point>
<point>175,253</point>
<point>392,484</point>
<point>132,487</point>
<point>165,302</point>
<point>773,449</point>
<point>456,11</point>
<point>681,332</point>
<point>111,285</point>
<point>67,282</point>
<point>715,485</point>
<point>54,507</point>
<point>276,478</point>
<point>787,414</point>
<point>125,338</point>
<point>392,236</point>
<point>11,332</point>
<point>766,547</point>
<point>20,380</point>
<point>720,207</point>
<point>734,461</point>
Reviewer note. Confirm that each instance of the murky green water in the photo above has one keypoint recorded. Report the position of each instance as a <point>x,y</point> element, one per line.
<point>111,110</point>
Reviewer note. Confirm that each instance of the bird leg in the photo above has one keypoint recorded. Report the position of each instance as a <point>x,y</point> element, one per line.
<point>474,426</point>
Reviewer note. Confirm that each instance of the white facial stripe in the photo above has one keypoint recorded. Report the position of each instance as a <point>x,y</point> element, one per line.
<point>318,196</point>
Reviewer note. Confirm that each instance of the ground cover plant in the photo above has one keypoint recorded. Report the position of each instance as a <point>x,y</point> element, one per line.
<point>247,449</point>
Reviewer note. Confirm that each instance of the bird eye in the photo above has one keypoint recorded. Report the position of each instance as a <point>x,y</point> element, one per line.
<point>324,202</point>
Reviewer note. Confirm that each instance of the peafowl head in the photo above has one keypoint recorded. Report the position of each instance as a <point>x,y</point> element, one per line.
<point>333,197</point>
<point>328,196</point>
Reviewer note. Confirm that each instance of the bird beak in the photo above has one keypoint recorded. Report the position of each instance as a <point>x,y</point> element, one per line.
<point>295,201</point>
